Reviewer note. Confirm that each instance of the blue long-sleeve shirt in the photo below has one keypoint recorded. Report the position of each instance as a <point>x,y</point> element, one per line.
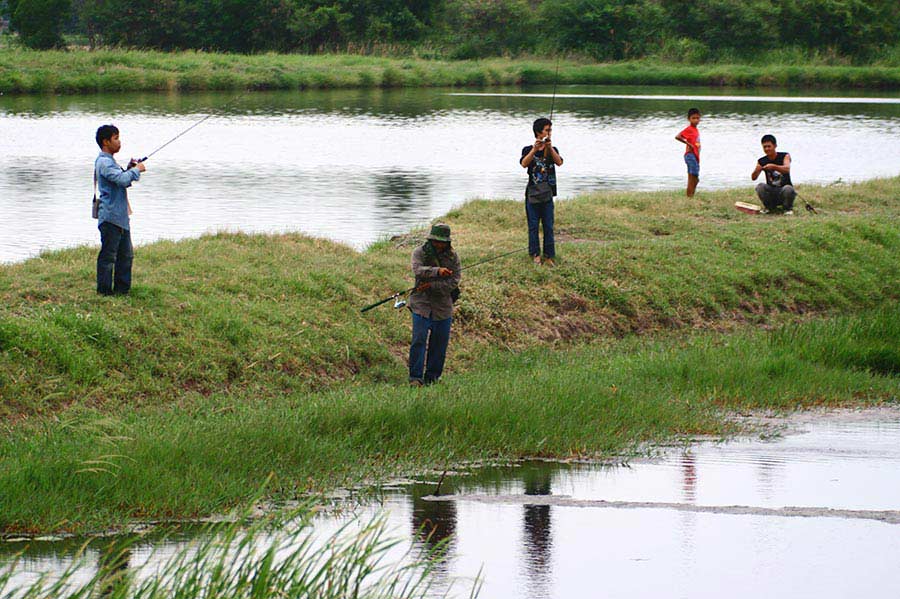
<point>112,181</point>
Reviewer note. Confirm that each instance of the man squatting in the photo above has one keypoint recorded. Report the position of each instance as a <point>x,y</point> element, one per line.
<point>778,190</point>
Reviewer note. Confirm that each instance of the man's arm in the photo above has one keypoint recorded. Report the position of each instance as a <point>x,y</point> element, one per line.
<point>420,270</point>
<point>557,159</point>
<point>526,160</point>
<point>756,171</point>
<point>111,171</point>
<point>448,284</point>
<point>781,168</point>
<point>684,140</point>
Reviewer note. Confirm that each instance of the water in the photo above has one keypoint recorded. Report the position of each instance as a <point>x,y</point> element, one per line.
<point>538,530</point>
<point>358,165</point>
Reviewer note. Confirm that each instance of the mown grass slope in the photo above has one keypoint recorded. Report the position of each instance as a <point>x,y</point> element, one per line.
<point>264,316</point>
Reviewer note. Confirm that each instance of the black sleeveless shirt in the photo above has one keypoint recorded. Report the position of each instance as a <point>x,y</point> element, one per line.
<point>774,177</point>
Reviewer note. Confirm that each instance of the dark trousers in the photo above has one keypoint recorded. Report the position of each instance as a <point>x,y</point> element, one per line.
<point>116,253</point>
<point>540,214</point>
<point>428,349</point>
<point>772,197</point>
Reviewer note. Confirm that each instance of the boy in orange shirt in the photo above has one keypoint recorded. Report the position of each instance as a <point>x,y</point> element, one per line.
<point>690,137</point>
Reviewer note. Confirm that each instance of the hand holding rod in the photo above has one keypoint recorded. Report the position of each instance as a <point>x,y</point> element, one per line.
<point>422,287</point>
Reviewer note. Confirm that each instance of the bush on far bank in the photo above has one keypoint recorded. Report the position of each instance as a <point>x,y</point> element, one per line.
<point>39,22</point>
<point>603,30</point>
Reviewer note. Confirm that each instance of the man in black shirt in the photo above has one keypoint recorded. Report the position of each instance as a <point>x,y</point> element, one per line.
<point>541,159</point>
<point>777,191</point>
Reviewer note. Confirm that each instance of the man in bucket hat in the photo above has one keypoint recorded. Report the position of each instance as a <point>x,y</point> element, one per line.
<point>436,269</point>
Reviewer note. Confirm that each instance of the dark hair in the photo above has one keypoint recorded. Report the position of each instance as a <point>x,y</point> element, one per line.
<point>539,125</point>
<point>105,133</point>
<point>693,111</point>
<point>768,137</point>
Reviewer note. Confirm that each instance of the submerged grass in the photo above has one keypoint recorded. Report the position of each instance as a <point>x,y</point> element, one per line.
<point>273,557</point>
<point>83,71</point>
<point>242,355</point>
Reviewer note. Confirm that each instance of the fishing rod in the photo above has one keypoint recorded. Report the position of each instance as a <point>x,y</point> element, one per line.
<point>400,303</point>
<point>201,121</point>
<point>555,83</point>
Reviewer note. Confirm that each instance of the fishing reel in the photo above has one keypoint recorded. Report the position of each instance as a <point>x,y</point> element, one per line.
<point>399,302</point>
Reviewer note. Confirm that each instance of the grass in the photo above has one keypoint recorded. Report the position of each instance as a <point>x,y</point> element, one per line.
<point>84,71</point>
<point>90,469</point>
<point>268,316</point>
<point>273,557</point>
<point>242,355</point>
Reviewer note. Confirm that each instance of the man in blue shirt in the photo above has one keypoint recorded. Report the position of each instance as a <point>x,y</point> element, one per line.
<point>116,251</point>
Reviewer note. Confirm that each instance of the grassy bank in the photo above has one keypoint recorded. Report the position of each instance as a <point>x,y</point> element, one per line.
<point>265,316</point>
<point>91,468</point>
<point>82,71</point>
<point>240,355</point>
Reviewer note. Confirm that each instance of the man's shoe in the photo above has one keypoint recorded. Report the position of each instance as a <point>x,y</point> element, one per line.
<point>415,383</point>
<point>537,260</point>
<point>764,211</point>
<point>789,213</point>
<point>549,262</point>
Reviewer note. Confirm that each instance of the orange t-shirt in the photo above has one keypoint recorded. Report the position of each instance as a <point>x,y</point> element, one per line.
<point>692,134</point>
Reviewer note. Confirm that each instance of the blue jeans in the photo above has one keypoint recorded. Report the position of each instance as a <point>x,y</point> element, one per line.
<point>693,165</point>
<point>428,351</point>
<point>540,214</point>
<point>116,252</point>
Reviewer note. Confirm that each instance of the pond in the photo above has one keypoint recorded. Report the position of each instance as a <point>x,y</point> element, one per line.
<point>812,513</point>
<point>359,165</point>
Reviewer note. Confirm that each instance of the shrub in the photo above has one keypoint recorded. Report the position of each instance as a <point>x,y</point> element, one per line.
<point>853,27</point>
<point>477,28</point>
<point>606,29</point>
<point>40,22</point>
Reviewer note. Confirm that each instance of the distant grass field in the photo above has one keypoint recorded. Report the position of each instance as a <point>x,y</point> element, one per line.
<point>83,71</point>
<point>240,355</point>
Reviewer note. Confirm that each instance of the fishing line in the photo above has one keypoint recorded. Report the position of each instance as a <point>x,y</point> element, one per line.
<point>555,83</point>
<point>201,121</point>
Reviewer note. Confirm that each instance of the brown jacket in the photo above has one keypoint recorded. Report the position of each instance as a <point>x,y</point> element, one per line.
<point>434,303</point>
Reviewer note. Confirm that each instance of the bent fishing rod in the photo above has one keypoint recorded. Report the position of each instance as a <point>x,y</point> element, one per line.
<point>399,303</point>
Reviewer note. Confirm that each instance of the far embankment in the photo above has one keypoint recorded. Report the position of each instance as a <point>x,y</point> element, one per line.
<point>103,71</point>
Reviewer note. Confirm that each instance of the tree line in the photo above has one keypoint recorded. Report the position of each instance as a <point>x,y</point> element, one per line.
<point>599,29</point>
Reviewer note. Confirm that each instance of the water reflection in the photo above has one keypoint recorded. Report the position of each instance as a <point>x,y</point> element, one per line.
<point>433,522</point>
<point>113,567</point>
<point>688,477</point>
<point>559,551</point>
<point>538,532</point>
<point>402,195</point>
